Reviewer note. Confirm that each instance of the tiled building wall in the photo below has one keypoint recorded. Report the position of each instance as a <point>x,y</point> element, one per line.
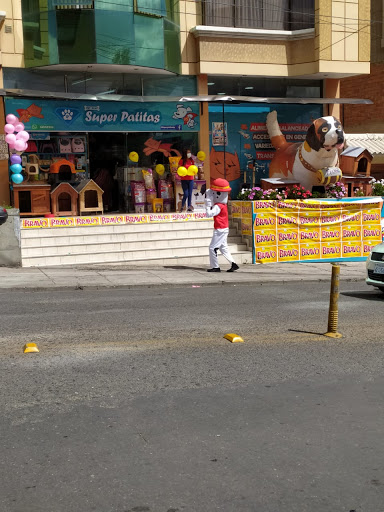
<point>11,36</point>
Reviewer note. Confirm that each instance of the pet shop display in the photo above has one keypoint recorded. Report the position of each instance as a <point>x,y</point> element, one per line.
<point>302,161</point>
<point>150,194</point>
<point>90,197</point>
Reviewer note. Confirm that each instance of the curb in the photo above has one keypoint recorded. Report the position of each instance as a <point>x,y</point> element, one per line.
<point>261,282</point>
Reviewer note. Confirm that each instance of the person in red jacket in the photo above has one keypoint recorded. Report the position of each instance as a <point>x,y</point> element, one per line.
<point>186,181</point>
<point>216,199</point>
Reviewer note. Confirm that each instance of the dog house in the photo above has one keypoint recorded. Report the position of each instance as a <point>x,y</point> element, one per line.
<point>90,197</point>
<point>64,200</point>
<point>62,170</point>
<point>355,160</point>
<point>355,164</point>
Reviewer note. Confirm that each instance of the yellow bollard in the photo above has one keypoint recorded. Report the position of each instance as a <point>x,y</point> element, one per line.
<point>333,315</point>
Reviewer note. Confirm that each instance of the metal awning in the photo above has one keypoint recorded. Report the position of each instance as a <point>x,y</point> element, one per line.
<point>24,93</point>
<point>374,142</point>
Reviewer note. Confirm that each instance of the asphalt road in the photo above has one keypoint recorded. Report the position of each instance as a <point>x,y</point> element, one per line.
<point>136,403</point>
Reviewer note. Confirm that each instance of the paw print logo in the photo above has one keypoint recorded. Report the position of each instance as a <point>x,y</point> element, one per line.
<point>67,114</point>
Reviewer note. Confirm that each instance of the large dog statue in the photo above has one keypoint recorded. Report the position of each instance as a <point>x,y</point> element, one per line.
<point>303,161</point>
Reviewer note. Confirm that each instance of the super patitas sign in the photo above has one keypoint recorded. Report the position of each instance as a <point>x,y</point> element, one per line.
<point>114,116</point>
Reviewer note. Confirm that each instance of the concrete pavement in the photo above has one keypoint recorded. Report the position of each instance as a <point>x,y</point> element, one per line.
<point>129,276</point>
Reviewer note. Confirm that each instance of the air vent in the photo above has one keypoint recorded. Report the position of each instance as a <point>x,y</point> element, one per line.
<point>8,29</point>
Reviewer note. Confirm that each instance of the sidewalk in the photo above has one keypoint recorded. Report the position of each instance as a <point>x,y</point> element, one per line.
<point>129,277</point>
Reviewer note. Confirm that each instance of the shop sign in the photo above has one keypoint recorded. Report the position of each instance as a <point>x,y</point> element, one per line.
<point>112,116</point>
<point>315,230</point>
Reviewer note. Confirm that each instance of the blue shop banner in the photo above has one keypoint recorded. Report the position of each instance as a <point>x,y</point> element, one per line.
<point>108,116</point>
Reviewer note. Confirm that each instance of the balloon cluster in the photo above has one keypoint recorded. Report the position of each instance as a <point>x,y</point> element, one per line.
<point>17,140</point>
<point>192,169</point>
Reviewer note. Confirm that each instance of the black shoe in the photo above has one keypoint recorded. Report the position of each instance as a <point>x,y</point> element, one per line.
<point>217,269</point>
<point>233,267</point>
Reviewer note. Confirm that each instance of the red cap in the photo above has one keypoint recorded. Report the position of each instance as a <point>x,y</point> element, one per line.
<point>220,185</point>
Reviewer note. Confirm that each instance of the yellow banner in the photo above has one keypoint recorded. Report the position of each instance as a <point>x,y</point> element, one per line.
<point>305,230</point>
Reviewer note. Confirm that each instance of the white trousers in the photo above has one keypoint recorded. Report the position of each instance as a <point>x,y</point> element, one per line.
<point>219,242</point>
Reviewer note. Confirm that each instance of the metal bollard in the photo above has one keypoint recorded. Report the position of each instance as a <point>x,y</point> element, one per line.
<point>333,315</point>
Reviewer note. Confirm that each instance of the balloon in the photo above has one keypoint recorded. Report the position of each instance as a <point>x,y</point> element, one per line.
<point>25,146</point>
<point>11,145</point>
<point>9,128</point>
<point>160,169</point>
<point>16,168</point>
<point>192,170</point>
<point>20,145</point>
<point>201,156</point>
<point>133,156</point>
<point>182,171</point>
<point>15,159</point>
<point>11,119</point>
<point>10,138</point>
<point>17,178</point>
<point>19,127</point>
<point>23,135</point>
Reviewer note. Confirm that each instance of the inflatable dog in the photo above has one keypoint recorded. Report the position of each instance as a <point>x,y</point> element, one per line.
<point>313,162</point>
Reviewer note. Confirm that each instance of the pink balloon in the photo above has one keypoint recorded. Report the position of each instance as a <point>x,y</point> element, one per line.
<point>11,119</point>
<point>25,145</point>
<point>19,127</point>
<point>20,145</point>
<point>22,136</point>
<point>9,128</point>
<point>10,138</point>
<point>11,145</point>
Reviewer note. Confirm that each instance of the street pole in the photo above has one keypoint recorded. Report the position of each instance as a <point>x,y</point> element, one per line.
<point>333,314</point>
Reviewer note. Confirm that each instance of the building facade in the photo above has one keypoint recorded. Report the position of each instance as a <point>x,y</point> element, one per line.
<point>88,55</point>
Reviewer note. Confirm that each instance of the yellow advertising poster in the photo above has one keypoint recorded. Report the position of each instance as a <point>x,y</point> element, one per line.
<point>87,221</point>
<point>266,254</point>
<point>246,226</point>
<point>288,252</point>
<point>61,222</point>
<point>265,220</point>
<point>309,230</point>
<point>246,209</point>
<point>310,251</point>
<point>34,223</point>
<point>265,236</point>
<point>236,209</point>
<point>352,248</point>
<point>331,233</point>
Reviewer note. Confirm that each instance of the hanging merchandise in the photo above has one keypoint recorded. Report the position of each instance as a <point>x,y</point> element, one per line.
<point>78,145</point>
<point>65,145</point>
<point>47,147</point>
<point>133,156</point>
<point>160,169</point>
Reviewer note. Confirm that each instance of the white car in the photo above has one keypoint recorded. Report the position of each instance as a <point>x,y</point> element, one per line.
<point>375,267</point>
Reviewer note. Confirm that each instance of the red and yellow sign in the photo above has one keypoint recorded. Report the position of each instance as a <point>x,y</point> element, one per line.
<point>308,230</point>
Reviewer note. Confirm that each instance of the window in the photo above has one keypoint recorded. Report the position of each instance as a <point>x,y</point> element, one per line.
<point>261,14</point>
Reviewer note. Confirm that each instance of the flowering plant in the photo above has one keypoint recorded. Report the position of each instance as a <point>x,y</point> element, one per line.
<point>298,192</point>
<point>336,190</point>
<point>273,193</point>
<point>358,192</point>
<point>377,187</point>
<point>258,194</point>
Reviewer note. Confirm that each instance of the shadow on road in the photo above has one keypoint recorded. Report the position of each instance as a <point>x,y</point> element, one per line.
<point>307,332</point>
<point>368,295</point>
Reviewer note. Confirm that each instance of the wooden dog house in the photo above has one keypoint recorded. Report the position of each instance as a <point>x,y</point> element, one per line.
<point>64,200</point>
<point>90,197</point>
<point>355,160</point>
<point>355,164</point>
<point>62,170</point>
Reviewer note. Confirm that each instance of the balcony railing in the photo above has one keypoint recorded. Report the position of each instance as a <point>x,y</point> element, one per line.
<point>260,14</point>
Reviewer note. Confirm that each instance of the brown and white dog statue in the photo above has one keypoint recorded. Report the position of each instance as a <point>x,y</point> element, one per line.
<point>303,161</point>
